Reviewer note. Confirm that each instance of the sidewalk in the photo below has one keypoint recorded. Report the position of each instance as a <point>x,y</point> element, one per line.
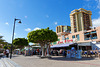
<point>55,61</point>
<point>6,62</point>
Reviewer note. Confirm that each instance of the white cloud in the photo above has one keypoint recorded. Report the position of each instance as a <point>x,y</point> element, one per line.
<point>89,4</point>
<point>56,23</point>
<point>37,28</point>
<point>0,34</point>
<point>7,23</point>
<point>25,16</point>
<point>98,3</point>
<point>28,29</point>
<point>96,22</point>
<point>47,16</point>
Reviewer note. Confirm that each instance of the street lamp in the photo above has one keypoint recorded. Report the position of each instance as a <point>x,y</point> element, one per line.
<point>13,35</point>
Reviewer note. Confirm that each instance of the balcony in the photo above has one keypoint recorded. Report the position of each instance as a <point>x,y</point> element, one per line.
<point>87,39</point>
<point>95,37</point>
<point>93,32</point>
<point>86,33</point>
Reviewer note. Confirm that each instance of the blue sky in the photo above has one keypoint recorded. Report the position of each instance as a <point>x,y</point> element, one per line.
<point>36,14</point>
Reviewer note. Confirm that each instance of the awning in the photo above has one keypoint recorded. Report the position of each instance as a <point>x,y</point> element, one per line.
<point>36,46</point>
<point>61,45</point>
<point>84,44</point>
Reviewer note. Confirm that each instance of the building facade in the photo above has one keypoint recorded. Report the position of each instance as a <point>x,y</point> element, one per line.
<point>81,32</point>
<point>84,39</point>
<point>80,20</point>
<point>61,28</point>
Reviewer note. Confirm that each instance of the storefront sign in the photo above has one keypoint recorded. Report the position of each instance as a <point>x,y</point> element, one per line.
<point>64,41</point>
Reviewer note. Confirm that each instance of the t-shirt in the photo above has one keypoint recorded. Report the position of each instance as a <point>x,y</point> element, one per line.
<point>7,51</point>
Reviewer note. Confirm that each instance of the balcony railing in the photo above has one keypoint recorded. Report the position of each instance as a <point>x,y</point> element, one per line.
<point>93,32</point>
<point>94,37</point>
<point>87,39</point>
<point>86,33</point>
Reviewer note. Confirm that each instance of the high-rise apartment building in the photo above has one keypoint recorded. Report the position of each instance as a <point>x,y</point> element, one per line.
<point>60,29</point>
<point>80,20</point>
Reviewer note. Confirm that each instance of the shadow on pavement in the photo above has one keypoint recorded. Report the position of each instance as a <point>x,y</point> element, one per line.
<point>70,59</point>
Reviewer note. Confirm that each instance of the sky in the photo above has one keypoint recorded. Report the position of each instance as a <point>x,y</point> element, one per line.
<point>37,14</point>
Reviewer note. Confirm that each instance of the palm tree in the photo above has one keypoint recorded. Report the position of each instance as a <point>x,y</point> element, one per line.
<point>2,41</point>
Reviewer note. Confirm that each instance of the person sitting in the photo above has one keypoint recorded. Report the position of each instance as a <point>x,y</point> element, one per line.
<point>85,53</point>
<point>91,53</point>
<point>99,54</point>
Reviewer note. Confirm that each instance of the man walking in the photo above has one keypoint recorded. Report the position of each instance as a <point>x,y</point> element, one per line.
<point>7,53</point>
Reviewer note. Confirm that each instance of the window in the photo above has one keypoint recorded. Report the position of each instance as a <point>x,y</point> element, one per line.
<point>94,35</point>
<point>87,36</point>
<point>73,36</point>
<point>78,38</point>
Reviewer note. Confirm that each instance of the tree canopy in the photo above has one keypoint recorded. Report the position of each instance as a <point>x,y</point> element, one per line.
<point>5,47</point>
<point>42,36</point>
<point>20,42</point>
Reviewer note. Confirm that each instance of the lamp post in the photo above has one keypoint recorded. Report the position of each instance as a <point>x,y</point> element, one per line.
<point>13,35</point>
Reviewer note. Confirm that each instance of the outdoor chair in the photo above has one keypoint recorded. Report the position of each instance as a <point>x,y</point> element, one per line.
<point>85,53</point>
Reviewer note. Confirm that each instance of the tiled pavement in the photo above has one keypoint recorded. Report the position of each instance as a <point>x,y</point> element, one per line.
<point>55,61</point>
<point>6,62</point>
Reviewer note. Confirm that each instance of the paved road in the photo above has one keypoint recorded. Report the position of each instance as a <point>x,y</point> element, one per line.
<point>55,61</point>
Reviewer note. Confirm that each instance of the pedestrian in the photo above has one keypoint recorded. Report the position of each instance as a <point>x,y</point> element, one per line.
<point>34,52</point>
<point>56,52</point>
<point>25,53</point>
<point>7,53</point>
<point>4,52</point>
<point>52,52</point>
<point>64,53</point>
<point>29,52</point>
<point>38,51</point>
<point>99,54</point>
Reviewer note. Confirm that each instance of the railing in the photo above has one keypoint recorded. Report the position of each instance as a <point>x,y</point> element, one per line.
<point>93,32</point>
<point>86,33</point>
<point>94,37</point>
<point>87,39</point>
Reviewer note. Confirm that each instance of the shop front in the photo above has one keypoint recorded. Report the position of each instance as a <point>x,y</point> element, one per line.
<point>85,46</point>
<point>95,45</point>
